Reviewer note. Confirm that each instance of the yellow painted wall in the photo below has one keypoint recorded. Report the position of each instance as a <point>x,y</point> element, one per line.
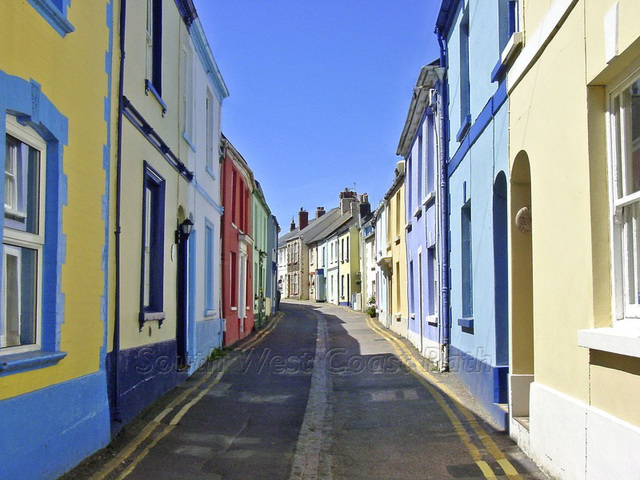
<point>561,215</point>
<point>398,253</point>
<point>69,69</point>
<point>136,149</point>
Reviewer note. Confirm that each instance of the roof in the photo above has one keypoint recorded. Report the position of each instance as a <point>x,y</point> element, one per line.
<point>445,15</point>
<point>428,77</point>
<point>338,219</point>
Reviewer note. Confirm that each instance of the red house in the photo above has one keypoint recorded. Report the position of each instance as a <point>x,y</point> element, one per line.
<point>237,245</point>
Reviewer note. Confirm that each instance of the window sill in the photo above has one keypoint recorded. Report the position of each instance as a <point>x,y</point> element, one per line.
<point>209,314</point>
<point>233,309</point>
<point>430,198</point>
<point>189,142</point>
<point>52,14</point>
<point>621,340</point>
<point>210,172</point>
<point>21,362</point>
<point>148,87</point>
<point>145,317</point>
<point>464,127</point>
<point>509,54</point>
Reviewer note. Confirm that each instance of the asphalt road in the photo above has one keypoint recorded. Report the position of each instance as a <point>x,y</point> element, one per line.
<point>321,393</point>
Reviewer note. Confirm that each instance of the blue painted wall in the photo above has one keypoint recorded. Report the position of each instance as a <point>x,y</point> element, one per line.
<point>58,427</point>
<point>476,160</point>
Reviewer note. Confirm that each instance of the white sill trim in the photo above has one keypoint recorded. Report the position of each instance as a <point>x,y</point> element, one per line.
<point>620,340</point>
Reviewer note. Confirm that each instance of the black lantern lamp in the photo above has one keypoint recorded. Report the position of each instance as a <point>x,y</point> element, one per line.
<point>184,230</point>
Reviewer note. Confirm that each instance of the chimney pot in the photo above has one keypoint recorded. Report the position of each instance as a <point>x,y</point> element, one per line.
<point>303,218</point>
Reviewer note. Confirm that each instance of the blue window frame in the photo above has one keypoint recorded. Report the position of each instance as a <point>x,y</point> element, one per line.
<point>55,13</point>
<point>152,284</point>
<point>465,84</point>
<point>154,48</point>
<point>209,268</point>
<point>33,244</point>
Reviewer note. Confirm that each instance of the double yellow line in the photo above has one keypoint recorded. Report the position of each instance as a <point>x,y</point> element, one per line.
<point>163,423</point>
<point>260,336</point>
<point>438,391</point>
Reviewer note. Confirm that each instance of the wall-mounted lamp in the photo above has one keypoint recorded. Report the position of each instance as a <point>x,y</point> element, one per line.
<point>184,230</point>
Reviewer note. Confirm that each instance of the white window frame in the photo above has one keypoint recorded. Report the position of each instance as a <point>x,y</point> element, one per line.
<point>624,312</point>
<point>35,241</point>
<point>187,95</point>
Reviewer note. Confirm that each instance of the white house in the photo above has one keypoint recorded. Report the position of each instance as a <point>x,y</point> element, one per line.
<point>203,91</point>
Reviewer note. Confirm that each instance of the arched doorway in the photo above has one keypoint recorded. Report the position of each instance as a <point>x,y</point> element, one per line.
<point>521,278</point>
<point>501,285</point>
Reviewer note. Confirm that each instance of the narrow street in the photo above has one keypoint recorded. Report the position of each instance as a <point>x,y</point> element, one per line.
<point>322,392</point>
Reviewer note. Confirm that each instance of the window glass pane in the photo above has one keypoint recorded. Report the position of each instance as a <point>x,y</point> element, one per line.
<point>631,246</point>
<point>617,146</point>
<point>21,183</point>
<point>147,247</point>
<point>629,143</point>
<point>20,273</point>
<point>634,118</point>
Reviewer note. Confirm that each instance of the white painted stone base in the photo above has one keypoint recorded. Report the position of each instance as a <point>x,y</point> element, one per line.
<point>400,325</point>
<point>568,439</point>
<point>414,338</point>
<point>613,447</point>
<point>428,349</point>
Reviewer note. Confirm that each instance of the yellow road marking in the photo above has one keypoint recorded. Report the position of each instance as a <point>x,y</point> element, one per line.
<point>409,359</point>
<point>130,449</point>
<point>486,469</point>
<point>144,452</point>
<point>258,338</point>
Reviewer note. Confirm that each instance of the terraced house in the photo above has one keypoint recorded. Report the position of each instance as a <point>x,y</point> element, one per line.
<point>573,215</point>
<point>56,153</point>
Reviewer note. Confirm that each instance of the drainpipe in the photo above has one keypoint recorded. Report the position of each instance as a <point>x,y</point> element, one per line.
<point>445,312</point>
<point>116,326</point>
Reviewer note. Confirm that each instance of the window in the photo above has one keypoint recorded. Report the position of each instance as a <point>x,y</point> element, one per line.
<point>187,95</point>
<point>209,268</point>
<point>430,156</point>
<point>347,256</point>
<point>419,173</point>
<point>23,238</point>
<point>624,148</point>
<point>465,91</point>
<point>210,132</point>
<point>152,247</point>
<point>233,290</point>
<point>467,265</point>
<point>154,47</point>
<point>432,281</point>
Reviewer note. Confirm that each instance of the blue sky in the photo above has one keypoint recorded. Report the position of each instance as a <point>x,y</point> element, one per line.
<point>319,91</point>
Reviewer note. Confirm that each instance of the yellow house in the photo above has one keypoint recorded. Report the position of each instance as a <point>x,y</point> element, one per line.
<point>574,96</point>
<point>349,266</point>
<point>396,244</point>
<point>55,106</point>
<point>147,349</point>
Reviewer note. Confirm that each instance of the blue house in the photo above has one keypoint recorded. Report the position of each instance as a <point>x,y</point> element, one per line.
<point>472,36</point>
<point>420,149</point>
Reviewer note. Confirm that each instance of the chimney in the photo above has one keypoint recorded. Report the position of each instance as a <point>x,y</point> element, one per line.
<point>292,227</point>
<point>365,206</point>
<point>303,218</point>
<point>319,212</point>
<point>346,199</point>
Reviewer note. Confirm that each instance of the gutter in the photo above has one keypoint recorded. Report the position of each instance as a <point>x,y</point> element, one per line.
<point>445,309</point>
<point>116,326</point>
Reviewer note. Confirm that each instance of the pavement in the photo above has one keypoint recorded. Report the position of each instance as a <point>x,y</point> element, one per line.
<point>321,392</point>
